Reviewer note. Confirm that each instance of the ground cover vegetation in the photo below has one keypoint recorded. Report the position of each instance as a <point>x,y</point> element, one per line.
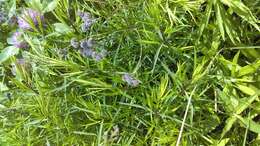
<point>129,72</point>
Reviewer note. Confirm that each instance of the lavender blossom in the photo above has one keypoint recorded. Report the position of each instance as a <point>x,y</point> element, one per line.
<point>97,56</point>
<point>30,16</point>
<point>84,16</point>
<point>131,81</point>
<point>86,43</point>
<point>87,21</point>
<point>18,41</point>
<point>86,52</point>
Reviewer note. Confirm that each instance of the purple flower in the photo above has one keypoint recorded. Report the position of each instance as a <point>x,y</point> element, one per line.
<point>74,43</point>
<point>17,40</point>
<point>30,16</point>
<point>131,81</point>
<point>84,16</point>
<point>86,43</point>
<point>86,52</point>
<point>87,21</point>
<point>97,56</point>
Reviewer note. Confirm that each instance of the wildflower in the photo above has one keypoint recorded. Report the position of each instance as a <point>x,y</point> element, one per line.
<point>74,43</point>
<point>86,43</point>
<point>86,52</point>
<point>30,16</point>
<point>87,21</point>
<point>84,16</point>
<point>97,56</point>
<point>18,41</point>
<point>130,80</point>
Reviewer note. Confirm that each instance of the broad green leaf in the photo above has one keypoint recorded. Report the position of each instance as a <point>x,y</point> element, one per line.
<point>249,69</point>
<point>246,90</point>
<point>251,53</point>
<point>228,64</point>
<point>62,28</point>
<point>228,125</point>
<point>223,142</point>
<point>8,52</point>
<point>244,104</point>
<point>250,124</point>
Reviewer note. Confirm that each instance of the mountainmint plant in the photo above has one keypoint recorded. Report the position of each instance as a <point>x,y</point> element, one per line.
<point>129,73</point>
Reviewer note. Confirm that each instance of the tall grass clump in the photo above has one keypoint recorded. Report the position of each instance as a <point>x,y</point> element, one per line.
<point>129,72</point>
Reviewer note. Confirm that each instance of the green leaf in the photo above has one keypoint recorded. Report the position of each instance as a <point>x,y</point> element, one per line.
<point>220,22</point>
<point>12,10</point>
<point>243,11</point>
<point>250,124</point>
<point>206,18</point>
<point>234,67</point>
<point>62,28</point>
<point>243,104</point>
<point>249,69</point>
<point>246,90</point>
<point>3,87</point>
<point>51,6</point>
<point>228,124</point>
<point>223,142</point>
<point>8,52</point>
<point>35,4</point>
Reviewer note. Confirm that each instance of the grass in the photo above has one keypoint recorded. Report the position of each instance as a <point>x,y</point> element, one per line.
<point>197,63</point>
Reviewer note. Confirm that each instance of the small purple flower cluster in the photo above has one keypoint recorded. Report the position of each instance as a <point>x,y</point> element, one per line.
<point>29,17</point>
<point>87,20</point>
<point>18,41</point>
<point>86,50</point>
<point>130,80</point>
